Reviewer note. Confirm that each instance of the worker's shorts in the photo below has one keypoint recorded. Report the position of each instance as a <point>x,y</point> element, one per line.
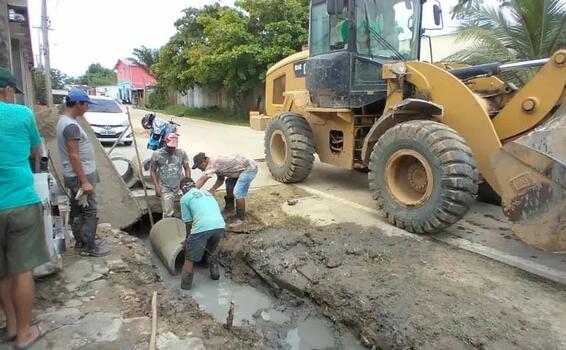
<point>241,185</point>
<point>22,240</point>
<point>199,243</point>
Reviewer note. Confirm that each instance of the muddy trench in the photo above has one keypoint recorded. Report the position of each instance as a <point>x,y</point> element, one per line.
<point>281,318</point>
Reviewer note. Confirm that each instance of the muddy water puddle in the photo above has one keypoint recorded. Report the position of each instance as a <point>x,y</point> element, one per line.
<point>283,325</point>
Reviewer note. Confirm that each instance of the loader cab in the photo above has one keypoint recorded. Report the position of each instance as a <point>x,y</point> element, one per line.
<point>349,42</point>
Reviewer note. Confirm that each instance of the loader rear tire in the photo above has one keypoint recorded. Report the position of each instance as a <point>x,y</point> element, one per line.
<point>289,148</point>
<point>423,176</point>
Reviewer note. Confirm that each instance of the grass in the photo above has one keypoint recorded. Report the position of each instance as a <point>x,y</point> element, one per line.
<point>212,114</point>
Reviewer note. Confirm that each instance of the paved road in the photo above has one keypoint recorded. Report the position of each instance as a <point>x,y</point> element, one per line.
<point>483,230</point>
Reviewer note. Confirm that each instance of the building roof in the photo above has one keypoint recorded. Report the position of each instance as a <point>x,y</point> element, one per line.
<point>125,61</point>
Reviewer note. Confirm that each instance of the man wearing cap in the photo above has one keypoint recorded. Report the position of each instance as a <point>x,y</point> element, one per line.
<point>205,229</point>
<point>167,165</point>
<point>22,238</point>
<point>79,172</point>
<point>237,170</point>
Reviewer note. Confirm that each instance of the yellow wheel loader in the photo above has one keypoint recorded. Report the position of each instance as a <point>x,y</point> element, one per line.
<point>429,134</point>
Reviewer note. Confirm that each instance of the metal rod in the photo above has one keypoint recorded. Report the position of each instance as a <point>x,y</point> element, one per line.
<point>525,64</point>
<point>140,169</point>
<point>119,139</point>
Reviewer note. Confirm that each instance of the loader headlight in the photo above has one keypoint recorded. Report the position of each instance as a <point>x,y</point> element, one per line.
<point>399,68</point>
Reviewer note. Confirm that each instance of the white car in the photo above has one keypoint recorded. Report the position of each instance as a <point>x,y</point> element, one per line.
<point>108,120</point>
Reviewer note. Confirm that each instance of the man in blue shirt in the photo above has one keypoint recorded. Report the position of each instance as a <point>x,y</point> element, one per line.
<point>22,238</point>
<point>205,227</point>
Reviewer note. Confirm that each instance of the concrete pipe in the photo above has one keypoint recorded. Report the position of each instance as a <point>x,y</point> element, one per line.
<point>166,237</point>
<point>125,169</point>
<point>146,173</point>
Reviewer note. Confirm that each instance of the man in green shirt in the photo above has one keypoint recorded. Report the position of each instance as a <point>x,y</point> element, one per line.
<point>22,238</point>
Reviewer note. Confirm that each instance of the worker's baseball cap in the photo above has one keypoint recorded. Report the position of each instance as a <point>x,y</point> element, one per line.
<point>172,140</point>
<point>197,159</point>
<point>7,80</point>
<point>78,95</point>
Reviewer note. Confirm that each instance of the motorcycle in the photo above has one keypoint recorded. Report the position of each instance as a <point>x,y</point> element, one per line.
<point>158,128</point>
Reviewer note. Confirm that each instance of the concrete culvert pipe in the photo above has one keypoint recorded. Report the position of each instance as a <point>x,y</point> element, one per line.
<point>125,169</point>
<point>166,237</point>
<point>146,173</point>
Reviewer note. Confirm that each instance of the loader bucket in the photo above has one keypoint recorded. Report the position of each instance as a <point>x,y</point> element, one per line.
<point>531,172</point>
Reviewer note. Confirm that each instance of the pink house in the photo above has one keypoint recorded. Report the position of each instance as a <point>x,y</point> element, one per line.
<point>132,80</point>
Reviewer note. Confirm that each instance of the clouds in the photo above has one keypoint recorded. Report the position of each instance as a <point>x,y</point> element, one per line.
<point>89,31</point>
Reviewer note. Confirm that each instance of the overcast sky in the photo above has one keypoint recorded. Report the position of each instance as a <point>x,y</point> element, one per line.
<point>91,31</point>
<point>102,31</point>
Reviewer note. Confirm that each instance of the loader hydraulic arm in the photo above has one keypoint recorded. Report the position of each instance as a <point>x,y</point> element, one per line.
<point>490,69</point>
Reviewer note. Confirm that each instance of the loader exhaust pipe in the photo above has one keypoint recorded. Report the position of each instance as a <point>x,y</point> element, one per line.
<point>489,69</point>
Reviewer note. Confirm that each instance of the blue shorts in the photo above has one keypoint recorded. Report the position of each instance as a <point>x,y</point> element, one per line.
<point>241,185</point>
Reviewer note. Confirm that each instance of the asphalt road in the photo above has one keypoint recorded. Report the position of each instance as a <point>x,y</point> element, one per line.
<point>484,230</point>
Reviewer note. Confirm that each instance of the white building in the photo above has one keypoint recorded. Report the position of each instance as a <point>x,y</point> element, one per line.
<point>108,91</point>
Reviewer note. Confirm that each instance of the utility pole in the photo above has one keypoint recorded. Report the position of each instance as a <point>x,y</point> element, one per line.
<point>47,62</point>
<point>40,46</point>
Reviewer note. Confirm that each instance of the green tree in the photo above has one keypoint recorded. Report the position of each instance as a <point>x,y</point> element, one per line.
<point>232,48</point>
<point>145,57</point>
<point>517,30</point>
<point>97,75</point>
<point>58,79</point>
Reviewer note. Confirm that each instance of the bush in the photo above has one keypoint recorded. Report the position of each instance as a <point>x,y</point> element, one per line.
<point>158,98</point>
<point>213,114</point>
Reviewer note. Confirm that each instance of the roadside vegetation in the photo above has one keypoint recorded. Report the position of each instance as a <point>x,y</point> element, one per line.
<point>213,114</point>
<point>516,30</point>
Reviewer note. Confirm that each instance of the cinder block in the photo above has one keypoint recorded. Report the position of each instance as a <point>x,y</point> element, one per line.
<point>258,121</point>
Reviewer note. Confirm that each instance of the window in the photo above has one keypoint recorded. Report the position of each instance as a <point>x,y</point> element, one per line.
<point>320,41</point>
<point>278,90</point>
<point>104,106</point>
<point>328,33</point>
<point>387,28</point>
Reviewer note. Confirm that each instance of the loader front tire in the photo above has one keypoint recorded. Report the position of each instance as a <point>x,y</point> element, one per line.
<point>289,148</point>
<point>423,176</point>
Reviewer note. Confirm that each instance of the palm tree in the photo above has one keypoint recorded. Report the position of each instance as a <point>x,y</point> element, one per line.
<point>516,30</point>
<point>145,57</point>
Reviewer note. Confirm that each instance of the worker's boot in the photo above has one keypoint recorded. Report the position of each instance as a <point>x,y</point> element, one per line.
<point>241,214</point>
<point>76,225</point>
<point>229,206</point>
<point>214,269</point>
<point>186,280</point>
<point>93,247</point>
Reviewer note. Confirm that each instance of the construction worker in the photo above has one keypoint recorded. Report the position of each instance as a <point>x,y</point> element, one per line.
<point>238,172</point>
<point>79,172</point>
<point>167,165</point>
<point>22,237</point>
<point>205,227</point>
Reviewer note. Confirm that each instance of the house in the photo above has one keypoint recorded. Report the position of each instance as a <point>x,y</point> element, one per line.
<point>112,91</point>
<point>15,46</point>
<point>133,80</point>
